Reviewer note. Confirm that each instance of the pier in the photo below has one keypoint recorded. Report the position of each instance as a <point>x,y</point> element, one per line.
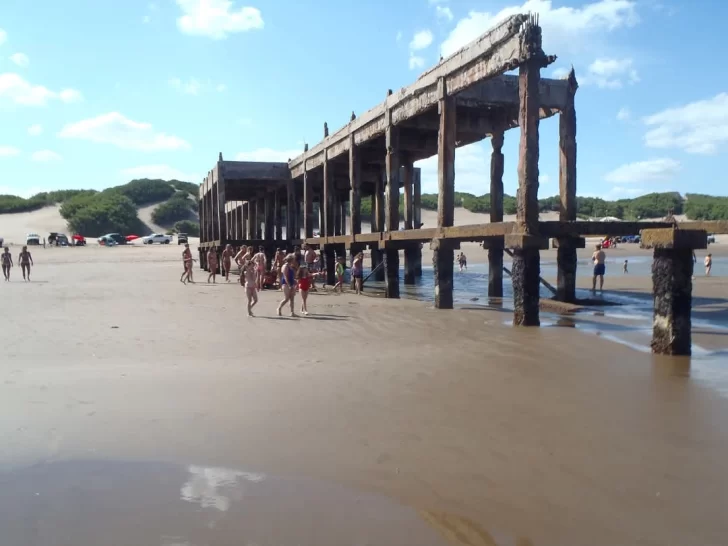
<point>465,98</point>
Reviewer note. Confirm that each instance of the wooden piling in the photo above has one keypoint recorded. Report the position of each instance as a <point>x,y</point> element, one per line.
<point>307,205</point>
<point>392,209</point>
<point>409,259</point>
<point>379,217</point>
<point>354,188</point>
<point>443,256</point>
<point>417,219</point>
<point>567,252</point>
<point>495,247</point>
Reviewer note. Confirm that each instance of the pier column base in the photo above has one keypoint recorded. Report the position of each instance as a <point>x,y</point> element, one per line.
<point>410,264</point>
<point>672,272</point>
<point>495,266</point>
<point>203,259</point>
<point>391,266</point>
<point>443,258</point>
<point>525,275</point>
<point>377,258</point>
<point>566,267</point>
<point>330,259</point>
<point>417,260</point>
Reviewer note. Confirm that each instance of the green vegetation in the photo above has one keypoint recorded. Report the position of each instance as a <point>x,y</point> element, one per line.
<point>706,207</point>
<point>103,213</point>
<point>187,226</point>
<point>13,203</point>
<point>178,207</point>
<point>145,191</point>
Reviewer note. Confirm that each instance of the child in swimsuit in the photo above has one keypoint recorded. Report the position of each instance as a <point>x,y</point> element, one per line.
<point>288,283</point>
<point>304,285</point>
<point>340,268</point>
<point>26,260</point>
<point>7,262</point>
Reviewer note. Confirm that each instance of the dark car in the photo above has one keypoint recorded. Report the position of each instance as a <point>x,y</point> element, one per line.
<point>181,238</point>
<point>118,238</point>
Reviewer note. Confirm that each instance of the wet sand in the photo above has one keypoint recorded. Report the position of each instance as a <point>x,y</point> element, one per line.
<point>377,418</point>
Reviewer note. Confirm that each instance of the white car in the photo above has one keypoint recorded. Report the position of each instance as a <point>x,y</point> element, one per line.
<point>32,239</point>
<point>157,238</point>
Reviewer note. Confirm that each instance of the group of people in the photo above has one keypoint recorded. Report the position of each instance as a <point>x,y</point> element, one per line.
<point>24,259</point>
<point>291,273</point>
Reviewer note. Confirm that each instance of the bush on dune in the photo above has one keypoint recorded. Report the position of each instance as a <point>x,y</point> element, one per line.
<point>104,214</point>
<point>178,207</point>
<point>12,203</point>
<point>187,226</point>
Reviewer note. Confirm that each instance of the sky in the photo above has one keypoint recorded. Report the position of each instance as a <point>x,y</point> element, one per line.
<point>94,93</point>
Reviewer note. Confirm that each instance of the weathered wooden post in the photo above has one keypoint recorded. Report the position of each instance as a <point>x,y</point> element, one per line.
<point>443,255</point>
<point>342,215</point>
<point>392,170</point>
<point>672,285</point>
<point>527,243</point>
<point>354,188</point>
<point>417,218</point>
<point>566,254</point>
<point>254,220</point>
<point>328,218</point>
<point>495,244</point>
<point>379,216</point>
<point>409,261</point>
<point>278,215</point>
<point>337,214</point>
<point>244,221</point>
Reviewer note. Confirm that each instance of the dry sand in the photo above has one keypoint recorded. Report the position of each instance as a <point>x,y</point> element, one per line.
<point>156,413</point>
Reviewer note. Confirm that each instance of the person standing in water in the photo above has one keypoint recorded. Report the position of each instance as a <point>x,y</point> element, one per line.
<point>598,258</point>
<point>624,267</point>
<point>462,262</point>
<point>25,260</point>
<point>304,285</point>
<point>227,256</point>
<point>357,271</point>
<point>260,262</point>
<point>250,274</point>
<point>708,264</point>
<point>187,263</point>
<point>212,264</point>
<point>7,262</point>
<point>288,282</point>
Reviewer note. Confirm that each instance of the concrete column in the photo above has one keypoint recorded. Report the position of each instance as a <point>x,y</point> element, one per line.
<point>307,204</point>
<point>495,245</point>
<point>672,272</point>
<point>392,161</point>
<point>244,221</point>
<point>201,213</point>
<point>417,218</point>
<point>343,203</point>
<point>379,217</point>
<point>409,258</point>
<point>354,188</point>
<point>337,214</point>
<point>527,244</point>
<point>567,248</point>
<point>328,198</point>
<point>443,256</point>
<point>279,220</point>
<point>269,217</point>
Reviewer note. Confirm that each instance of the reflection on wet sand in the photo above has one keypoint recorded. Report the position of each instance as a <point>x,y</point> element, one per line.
<point>96,503</point>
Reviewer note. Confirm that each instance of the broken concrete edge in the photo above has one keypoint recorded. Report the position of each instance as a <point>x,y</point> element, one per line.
<point>444,244</point>
<point>494,243</point>
<point>673,239</point>
<point>568,242</point>
<point>522,241</point>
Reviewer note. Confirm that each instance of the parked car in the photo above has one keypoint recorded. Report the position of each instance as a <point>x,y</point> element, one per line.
<point>711,238</point>
<point>117,238</point>
<point>32,239</point>
<point>181,238</point>
<point>79,240</point>
<point>157,238</point>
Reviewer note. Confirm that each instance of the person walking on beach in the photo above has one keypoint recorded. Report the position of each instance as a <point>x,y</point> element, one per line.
<point>212,264</point>
<point>599,268</point>
<point>309,258</point>
<point>7,262</point>
<point>260,261</point>
<point>187,263</point>
<point>462,262</point>
<point>624,267</point>
<point>708,264</point>
<point>357,271</point>
<point>250,274</point>
<point>239,257</point>
<point>340,268</point>
<point>26,260</point>
<point>304,285</point>
<point>227,256</point>
<point>288,282</point>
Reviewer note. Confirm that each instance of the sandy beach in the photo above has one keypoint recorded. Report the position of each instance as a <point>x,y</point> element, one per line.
<point>177,420</point>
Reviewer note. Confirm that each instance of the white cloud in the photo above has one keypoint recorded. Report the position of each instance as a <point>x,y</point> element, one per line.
<point>16,90</point>
<point>471,162</point>
<point>399,36</point>
<point>416,61</point>
<point>3,36</point>
<point>421,40</point>
<point>221,87</point>
<point>268,154</point>
<point>35,130</point>
<point>644,171</point>
<point>565,29</point>
<point>163,172</point>
<point>146,19</point>
<point>44,156</point>
<point>698,127</point>
<point>9,151</point>
<point>20,59</point>
<point>444,13</point>
<point>216,18</point>
<point>611,73</point>
<point>624,114</point>
<point>559,73</point>
<point>189,87</point>
<point>113,128</point>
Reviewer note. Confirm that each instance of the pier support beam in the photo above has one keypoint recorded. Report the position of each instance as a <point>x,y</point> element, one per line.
<point>443,257</point>
<point>495,247</point>
<point>278,212</point>
<point>269,217</point>
<point>259,217</point>
<point>409,258</point>
<point>291,209</point>
<point>307,204</point>
<point>417,219</point>
<point>392,210</point>
<point>354,188</point>
<point>379,223</point>
<point>672,272</point>
<point>526,257</point>
<point>567,247</point>
<point>328,198</point>
<point>245,221</point>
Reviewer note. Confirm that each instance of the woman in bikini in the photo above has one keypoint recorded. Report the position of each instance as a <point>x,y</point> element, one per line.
<point>227,256</point>
<point>239,259</point>
<point>288,282</point>
<point>250,274</point>
<point>260,262</point>
<point>7,262</point>
<point>212,264</point>
<point>187,262</point>
<point>26,260</point>
<point>357,270</point>
<point>304,285</point>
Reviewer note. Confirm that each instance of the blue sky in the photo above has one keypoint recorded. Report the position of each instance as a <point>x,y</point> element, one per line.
<point>96,92</point>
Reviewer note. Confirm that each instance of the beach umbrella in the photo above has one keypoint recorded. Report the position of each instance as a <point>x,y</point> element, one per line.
<point>132,237</point>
